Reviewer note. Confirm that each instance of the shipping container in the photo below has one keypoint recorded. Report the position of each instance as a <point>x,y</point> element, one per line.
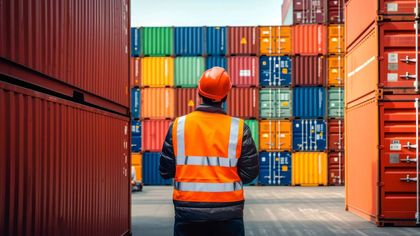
<point>243,70</point>
<point>336,102</point>
<point>336,43</point>
<point>151,175</point>
<point>157,103</point>
<point>135,103</point>
<point>275,135</point>
<point>384,141</point>
<point>216,61</point>
<point>216,42</point>
<point>186,100</point>
<point>153,134</point>
<point>335,135</point>
<point>309,102</point>
<point>135,72</point>
<point>310,11</point>
<point>56,155</point>
<point>189,41</point>
<point>79,50</point>
<point>135,41</point>
<point>309,135</point>
<point>137,164</point>
<point>135,136</point>
<point>309,70</point>
<point>158,41</point>
<point>275,103</point>
<point>336,70</point>
<point>157,72</point>
<point>336,168</point>
<point>309,168</point>
<point>243,103</point>
<point>188,71</point>
<point>275,40</point>
<point>275,71</point>
<point>336,11</point>
<point>243,40</point>
<point>315,39</point>
<point>253,126</point>
<point>275,168</point>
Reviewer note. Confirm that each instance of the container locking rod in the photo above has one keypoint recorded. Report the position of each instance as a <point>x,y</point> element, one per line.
<point>408,179</point>
<point>408,76</point>
<point>408,159</point>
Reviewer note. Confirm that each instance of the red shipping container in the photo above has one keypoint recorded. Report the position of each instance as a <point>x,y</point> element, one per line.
<point>336,11</point>
<point>310,11</point>
<point>153,134</point>
<point>309,70</point>
<point>244,70</point>
<point>186,100</point>
<point>243,103</point>
<point>64,167</point>
<point>78,47</point>
<point>336,168</point>
<point>243,40</point>
<point>310,39</point>
<point>336,135</point>
<point>135,72</point>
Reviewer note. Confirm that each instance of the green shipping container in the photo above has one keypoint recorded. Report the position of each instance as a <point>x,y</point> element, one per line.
<point>253,125</point>
<point>336,102</point>
<point>188,71</point>
<point>158,41</point>
<point>275,103</point>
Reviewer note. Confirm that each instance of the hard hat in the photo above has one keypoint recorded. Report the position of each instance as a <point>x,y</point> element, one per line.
<point>214,84</point>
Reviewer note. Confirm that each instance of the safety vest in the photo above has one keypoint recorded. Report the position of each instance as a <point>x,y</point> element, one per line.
<point>207,147</point>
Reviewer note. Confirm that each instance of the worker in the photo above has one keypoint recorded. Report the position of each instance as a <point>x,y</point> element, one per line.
<point>211,156</point>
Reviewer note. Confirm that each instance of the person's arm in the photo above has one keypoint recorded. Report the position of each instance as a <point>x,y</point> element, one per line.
<point>167,157</point>
<point>248,163</point>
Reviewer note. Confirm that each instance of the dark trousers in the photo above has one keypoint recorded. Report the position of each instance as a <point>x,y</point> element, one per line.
<point>233,227</point>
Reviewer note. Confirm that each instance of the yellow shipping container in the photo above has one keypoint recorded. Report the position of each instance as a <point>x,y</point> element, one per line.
<point>309,168</point>
<point>275,135</point>
<point>336,39</point>
<point>275,40</point>
<point>157,103</point>
<point>336,71</point>
<point>136,163</point>
<point>157,71</point>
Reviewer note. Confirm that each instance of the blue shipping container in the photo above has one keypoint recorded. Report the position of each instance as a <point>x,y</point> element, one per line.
<point>135,136</point>
<point>189,41</point>
<point>275,168</point>
<point>309,135</point>
<point>275,71</point>
<point>151,175</point>
<point>135,42</point>
<point>216,40</point>
<point>135,103</point>
<point>216,61</point>
<point>309,102</point>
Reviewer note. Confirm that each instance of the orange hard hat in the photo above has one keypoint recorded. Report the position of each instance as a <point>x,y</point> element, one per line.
<point>214,84</point>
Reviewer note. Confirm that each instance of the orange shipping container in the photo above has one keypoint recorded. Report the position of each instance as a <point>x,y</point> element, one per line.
<point>157,71</point>
<point>275,135</point>
<point>157,103</point>
<point>135,72</point>
<point>310,39</point>
<point>336,68</point>
<point>336,39</point>
<point>275,40</point>
<point>136,163</point>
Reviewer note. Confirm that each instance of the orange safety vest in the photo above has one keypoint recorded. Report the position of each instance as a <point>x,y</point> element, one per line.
<point>207,147</point>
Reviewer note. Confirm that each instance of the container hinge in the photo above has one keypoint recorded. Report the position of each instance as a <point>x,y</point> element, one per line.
<point>408,179</point>
<point>409,145</point>
<point>408,60</point>
<point>380,147</point>
<point>408,159</point>
<point>408,76</point>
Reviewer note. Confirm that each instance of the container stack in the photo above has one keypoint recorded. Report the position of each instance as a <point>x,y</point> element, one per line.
<point>382,145</point>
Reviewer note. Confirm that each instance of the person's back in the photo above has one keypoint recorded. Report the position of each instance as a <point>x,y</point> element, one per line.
<point>210,155</point>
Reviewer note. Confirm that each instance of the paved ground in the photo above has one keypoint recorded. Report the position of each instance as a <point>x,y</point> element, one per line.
<point>268,211</point>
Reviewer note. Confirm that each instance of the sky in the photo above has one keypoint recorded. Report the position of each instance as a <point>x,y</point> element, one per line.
<point>205,12</point>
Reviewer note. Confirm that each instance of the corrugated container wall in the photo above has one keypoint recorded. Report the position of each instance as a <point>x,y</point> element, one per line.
<point>216,61</point>
<point>135,77</point>
<point>336,11</point>
<point>310,11</point>
<point>53,155</point>
<point>243,70</point>
<point>275,135</point>
<point>309,102</point>
<point>243,40</point>
<point>243,103</point>
<point>309,135</point>
<point>188,71</point>
<point>309,168</point>
<point>336,43</point>
<point>336,135</point>
<point>135,103</point>
<point>336,102</point>
<point>151,174</point>
<point>157,71</point>
<point>253,126</point>
<point>153,134</point>
<point>275,168</point>
<point>335,69</point>
<point>335,168</point>
<point>189,41</point>
<point>275,103</point>
<point>275,71</point>
<point>157,103</point>
<point>186,100</point>
<point>135,136</point>
<point>309,70</point>
<point>216,41</point>
<point>56,38</point>
<point>158,41</point>
<point>315,42</point>
<point>275,40</point>
<point>135,42</point>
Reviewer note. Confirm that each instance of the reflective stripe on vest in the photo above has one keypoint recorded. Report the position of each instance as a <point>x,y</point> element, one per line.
<point>207,161</point>
<point>208,187</point>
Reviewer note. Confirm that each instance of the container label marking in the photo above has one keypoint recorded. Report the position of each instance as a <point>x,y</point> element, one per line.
<point>395,145</point>
<point>244,73</point>
<point>392,77</point>
<point>393,58</point>
<point>394,158</point>
<point>392,7</point>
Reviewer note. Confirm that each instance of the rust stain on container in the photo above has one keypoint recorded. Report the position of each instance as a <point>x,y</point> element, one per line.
<point>243,103</point>
<point>244,70</point>
<point>186,100</point>
<point>315,42</point>
<point>153,134</point>
<point>243,40</point>
<point>309,70</point>
<point>157,103</point>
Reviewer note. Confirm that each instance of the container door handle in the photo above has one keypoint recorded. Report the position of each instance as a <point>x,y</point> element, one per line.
<point>408,60</point>
<point>409,145</point>
<point>408,76</point>
<point>408,179</point>
<point>408,159</point>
